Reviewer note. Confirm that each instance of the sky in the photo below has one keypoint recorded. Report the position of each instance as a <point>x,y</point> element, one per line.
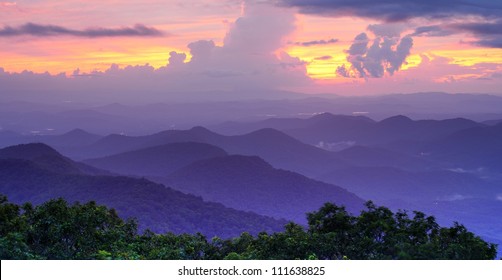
<point>151,49</point>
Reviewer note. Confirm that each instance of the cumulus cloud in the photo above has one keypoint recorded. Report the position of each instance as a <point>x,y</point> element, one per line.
<point>399,10</point>
<point>176,59</point>
<point>261,29</point>
<point>315,42</point>
<point>432,74</point>
<point>387,29</point>
<point>39,30</point>
<point>360,45</point>
<point>248,56</point>
<point>383,55</point>
<point>249,63</point>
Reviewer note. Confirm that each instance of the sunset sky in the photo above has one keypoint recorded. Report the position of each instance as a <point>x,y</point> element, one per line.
<point>353,47</point>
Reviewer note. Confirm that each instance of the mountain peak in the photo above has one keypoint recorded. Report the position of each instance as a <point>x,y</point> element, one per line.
<point>324,115</point>
<point>28,151</point>
<point>399,119</point>
<point>268,131</point>
<point>200,129</point>
<point>331,117</point>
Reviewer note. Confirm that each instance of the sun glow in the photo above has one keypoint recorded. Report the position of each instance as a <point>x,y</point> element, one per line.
<point>471,56</point>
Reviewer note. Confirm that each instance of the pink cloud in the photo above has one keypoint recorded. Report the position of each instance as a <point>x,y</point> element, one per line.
<point>8,4</point>
<point>249,62</point>
<point>434,73</point>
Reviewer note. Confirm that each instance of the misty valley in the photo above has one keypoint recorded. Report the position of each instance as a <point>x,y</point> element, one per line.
<point>227,184</point>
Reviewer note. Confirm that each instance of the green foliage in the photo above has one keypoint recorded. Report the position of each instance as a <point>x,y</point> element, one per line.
<point>57,230</point>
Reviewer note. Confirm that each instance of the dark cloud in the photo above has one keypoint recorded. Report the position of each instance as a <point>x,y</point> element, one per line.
<point>432,31</point>
<point>487,34</point>
<point>315,42</point>
<point>384,55</point>
<point>490,43</point>
<point>39,30</point>
<point>387,29</point>
<point>472,16</point>
<point>324,57</point>
<point>477,28</point>
<point>398,10</point>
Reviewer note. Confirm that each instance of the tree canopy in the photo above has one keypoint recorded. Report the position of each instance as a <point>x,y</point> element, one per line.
<point>58,230</point>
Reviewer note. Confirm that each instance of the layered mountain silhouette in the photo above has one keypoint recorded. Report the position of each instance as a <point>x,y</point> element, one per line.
<point>157,160</point>
<point>381,157</point>
<point>326,122</point>
<point>276,147</point>
<point>280,167</point>
<point>249,183</point>
<point>474,148</point>
<point>396,141</point>
<point>76,137</point>
<point>385,184</point>
<point>329,128</point>
<point>48,158</point>
<point>63,142</point>
<point>36,173</point>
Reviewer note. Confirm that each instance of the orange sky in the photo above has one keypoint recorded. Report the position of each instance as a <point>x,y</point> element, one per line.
<point>183,22</point>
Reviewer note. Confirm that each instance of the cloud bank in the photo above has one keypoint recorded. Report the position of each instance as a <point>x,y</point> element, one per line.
<point>248,63</point>
<point>399,10</point>
<point>486,34</point>
<point>479,18</point>
<point>38,30</point>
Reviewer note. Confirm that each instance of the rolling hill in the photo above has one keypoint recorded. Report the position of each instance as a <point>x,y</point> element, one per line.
<point>156,207</point>
<point>48,158</point>
<point>249,183</point>
<point>277,148</point>
<point>384,184</point>
<point>158,160</point>
<point>360,130</point>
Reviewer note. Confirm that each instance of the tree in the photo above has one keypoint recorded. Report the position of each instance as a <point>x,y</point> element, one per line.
<point>57,230</point>
<point>60,231</point>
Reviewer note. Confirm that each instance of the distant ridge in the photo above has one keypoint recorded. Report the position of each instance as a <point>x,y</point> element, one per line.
<point>276,147</point>
<point>249,183</point>
<point>29,151</point>
<point>157,160</point>
<point>156,207</point>
<point>330,128</point>
<point>48,158</point>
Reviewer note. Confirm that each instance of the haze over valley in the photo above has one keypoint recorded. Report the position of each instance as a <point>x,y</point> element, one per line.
<point>208,129</point>
<point>255,175</point>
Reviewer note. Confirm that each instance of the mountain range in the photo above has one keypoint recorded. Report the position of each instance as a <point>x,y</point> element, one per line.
<point>249,183</point>
<point>284,167</point>
<point>24,178</point>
